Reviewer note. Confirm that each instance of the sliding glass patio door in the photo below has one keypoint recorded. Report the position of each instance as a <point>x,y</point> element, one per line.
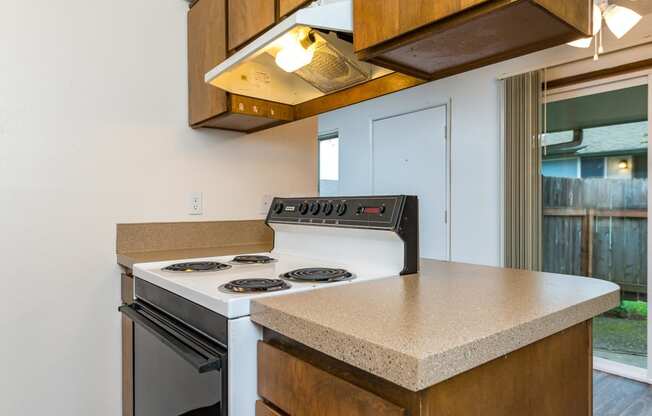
<point>595,206</point>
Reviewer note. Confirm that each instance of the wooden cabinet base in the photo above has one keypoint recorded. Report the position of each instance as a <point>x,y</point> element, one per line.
<point>551,377</point>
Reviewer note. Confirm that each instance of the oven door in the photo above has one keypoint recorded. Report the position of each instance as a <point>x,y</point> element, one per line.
<point>177,370</point>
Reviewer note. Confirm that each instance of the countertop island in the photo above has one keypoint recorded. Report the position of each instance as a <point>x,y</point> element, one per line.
<point>420,330</point>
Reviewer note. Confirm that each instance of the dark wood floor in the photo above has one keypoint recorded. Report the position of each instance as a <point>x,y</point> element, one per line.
<point>616,396</point>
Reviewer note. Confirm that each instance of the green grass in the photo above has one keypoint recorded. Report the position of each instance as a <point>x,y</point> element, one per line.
<point>627,336</point>
<point>630,309</point>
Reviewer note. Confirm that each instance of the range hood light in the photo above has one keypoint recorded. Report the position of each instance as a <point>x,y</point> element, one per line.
<point>295,53</point>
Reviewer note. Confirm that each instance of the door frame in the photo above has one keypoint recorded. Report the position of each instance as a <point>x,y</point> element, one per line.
<point>447,158</point>
<point>594,87</point>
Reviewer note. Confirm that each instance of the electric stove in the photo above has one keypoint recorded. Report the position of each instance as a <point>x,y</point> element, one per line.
<point>318,243</point>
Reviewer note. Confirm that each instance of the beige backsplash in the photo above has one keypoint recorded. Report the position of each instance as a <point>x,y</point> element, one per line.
<point>144,237</point>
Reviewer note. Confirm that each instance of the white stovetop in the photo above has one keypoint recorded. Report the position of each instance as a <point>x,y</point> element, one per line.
<point>202,287</point>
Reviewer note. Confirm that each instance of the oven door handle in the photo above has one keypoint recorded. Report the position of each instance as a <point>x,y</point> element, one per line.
<point>201,357</point>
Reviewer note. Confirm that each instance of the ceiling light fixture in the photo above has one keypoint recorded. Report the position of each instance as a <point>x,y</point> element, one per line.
<point>619,20</point>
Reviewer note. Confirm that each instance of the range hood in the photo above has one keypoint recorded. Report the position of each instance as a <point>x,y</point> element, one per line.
<point>314,44</point>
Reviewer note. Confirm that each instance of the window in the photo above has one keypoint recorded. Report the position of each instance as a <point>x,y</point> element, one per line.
<point>593,167</point>
<point>329,166</point>
<point>560,168</point>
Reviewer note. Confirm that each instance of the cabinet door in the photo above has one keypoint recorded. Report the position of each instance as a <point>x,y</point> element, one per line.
<point>206,49</point>
<point>298,388</point>
<point>286,7</point>
<point>247,19</point>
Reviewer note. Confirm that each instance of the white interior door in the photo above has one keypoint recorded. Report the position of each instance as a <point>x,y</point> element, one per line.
<point>410,156</point>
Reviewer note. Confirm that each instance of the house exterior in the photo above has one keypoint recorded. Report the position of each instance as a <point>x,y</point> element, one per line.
<point>616,151</point>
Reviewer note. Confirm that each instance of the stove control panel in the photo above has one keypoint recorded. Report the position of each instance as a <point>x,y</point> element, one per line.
<point>382,212</point>
<point>397,213</point>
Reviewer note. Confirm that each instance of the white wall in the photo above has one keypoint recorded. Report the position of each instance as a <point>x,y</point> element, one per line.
<point>475,139</point>
<point>93,132</point>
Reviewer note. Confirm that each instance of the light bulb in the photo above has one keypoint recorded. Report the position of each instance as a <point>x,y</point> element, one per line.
<point>581,43</point>
<point>620,20</point>
<point>293,55</point>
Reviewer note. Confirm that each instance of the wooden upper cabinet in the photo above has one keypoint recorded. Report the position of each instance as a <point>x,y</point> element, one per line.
<point>249,18</point>
<point>209,106</point>
<point>432,39</point>
<point>286,7</point>
<point>399,17</point>
<point>206,48</point>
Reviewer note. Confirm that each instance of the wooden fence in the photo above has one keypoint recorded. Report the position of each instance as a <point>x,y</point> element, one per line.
<point>597,227</point>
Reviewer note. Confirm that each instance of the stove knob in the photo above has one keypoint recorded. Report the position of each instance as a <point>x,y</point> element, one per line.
<point>278,207</point>
<point>315,208</point>
<point>327,208</point>
<point>303,208</point>
<point>340,209</point>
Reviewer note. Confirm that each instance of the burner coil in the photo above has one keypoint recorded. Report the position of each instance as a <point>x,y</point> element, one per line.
<point>197,266</point>
<point>318,274</point>
<point>254,285</point>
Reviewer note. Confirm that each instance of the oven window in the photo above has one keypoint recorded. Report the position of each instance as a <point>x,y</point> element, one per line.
<point>166,385</point>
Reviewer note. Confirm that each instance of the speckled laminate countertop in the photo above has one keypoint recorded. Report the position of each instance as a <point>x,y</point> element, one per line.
<point>419,330</point>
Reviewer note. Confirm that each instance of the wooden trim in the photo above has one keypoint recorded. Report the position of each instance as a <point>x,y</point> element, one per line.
<point>127,287</point>
<point>600,74</point>
<point>127,367</point>
<point>589,347</point>
<point>372,89</point>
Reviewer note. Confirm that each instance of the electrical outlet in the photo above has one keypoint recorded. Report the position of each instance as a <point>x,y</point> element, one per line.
<point>196,205</point>
<point>265,204</point>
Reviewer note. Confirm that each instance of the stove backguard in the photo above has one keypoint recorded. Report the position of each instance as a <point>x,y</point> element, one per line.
<point>378,232</point>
